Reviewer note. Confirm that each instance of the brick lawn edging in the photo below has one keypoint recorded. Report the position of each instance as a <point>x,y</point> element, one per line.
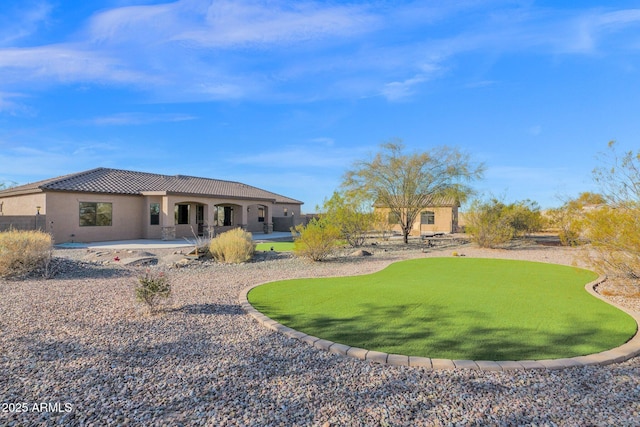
<point>616,355</point>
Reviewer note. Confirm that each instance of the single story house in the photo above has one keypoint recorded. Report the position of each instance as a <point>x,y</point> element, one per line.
<point>439,216</point>
<point>110,204</point>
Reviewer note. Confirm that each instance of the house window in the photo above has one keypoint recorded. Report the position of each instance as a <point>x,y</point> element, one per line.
<point>154,214</point>
<point>286,211</point>
<point>428,218</point>
<point>394,218</point>
<point>260,214</point>
<point>224,216</point>
<point>182,214</point>
<point>95,214</point>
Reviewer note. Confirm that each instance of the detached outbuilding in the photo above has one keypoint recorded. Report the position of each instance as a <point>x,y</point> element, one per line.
<point>110,204</point>
<point>440,215</point>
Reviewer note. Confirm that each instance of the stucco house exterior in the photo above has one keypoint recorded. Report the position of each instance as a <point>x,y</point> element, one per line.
<point>110,204</point>
<point>440,216</point>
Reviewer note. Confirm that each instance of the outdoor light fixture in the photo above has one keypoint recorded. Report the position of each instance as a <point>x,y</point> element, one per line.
<point>37,210</point>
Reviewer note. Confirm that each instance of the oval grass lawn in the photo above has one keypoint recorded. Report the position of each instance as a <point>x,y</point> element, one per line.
<point>453,308</point>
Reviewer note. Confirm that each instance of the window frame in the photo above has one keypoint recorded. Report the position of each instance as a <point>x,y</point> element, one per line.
<point>430,218</point>
<point>92,214</point>
<point>154,213</point>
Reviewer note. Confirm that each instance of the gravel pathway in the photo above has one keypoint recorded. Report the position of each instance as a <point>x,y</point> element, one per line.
<point>79,350</point>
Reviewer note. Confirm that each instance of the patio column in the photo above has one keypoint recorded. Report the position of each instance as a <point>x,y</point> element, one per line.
<point>268,220</point>
<point>243,217</point>
<point>168,219</point>
<point>209,226</point>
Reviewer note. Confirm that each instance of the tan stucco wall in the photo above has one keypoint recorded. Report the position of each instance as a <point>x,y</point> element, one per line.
<point>23,205</point>
<point>131,214</point>
<point>64,217</point>
<point>443,217</point>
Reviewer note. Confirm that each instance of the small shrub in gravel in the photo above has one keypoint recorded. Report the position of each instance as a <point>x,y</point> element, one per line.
<point>234,246</point>
<point>317,240</point>
<point>24,252</point>
<point>153,289</point>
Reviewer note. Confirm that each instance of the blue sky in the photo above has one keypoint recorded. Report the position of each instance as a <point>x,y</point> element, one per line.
<point>286,95</point>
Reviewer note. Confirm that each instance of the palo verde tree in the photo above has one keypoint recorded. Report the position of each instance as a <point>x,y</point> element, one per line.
<point>405,183</point>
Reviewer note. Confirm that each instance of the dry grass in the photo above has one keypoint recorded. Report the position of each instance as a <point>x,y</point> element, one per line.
<point>24,252</point>
<point>234,246</point>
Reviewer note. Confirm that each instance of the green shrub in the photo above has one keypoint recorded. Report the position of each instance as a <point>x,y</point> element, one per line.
<point>488,224</point>
<point>233,246</point>
<point>24,252</point>
<point>317,240</point>
<point>153,288</point>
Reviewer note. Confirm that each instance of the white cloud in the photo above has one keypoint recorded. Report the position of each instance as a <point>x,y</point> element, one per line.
<point>125,119</point>
<point>197,50</point>
<point>64,64</point>
<point>23,21</point>
<point>10,105</point>
<point>230,23</point>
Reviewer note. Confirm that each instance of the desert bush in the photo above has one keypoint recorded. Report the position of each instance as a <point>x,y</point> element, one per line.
<point>234,246</point>
<point>570,220</point>
<point>493,223</point>
<point>152,289</point>
<point>24,252</point>
<point>350,216</point>
<point>614,229</point>
<point>488,224</point>
<point>315,241</point>
<point>614,234</point>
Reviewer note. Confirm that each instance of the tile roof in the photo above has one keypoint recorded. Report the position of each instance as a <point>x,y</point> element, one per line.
<point>117,181</point>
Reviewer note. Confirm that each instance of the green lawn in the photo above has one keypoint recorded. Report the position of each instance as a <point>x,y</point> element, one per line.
<point>453,308</point>
<point>277,246</point>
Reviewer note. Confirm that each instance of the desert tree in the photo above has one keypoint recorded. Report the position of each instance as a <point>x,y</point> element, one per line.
<point>350,215</point>
<point>406,183</point>
<point>614,229</point>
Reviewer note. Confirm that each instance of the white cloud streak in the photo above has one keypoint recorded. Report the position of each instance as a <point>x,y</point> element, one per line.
<point>199,50</point>
<point>16,25</point>
<point>128,119</point>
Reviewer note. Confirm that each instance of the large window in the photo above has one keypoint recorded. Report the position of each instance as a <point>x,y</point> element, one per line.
<point>95,214</point>
<point>182,214</point>
<point>261,214</point>
<point>428,218</point>
<point>154,214</point>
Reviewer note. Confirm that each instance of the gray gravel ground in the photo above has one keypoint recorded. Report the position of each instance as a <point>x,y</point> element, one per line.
<point>79,350</point>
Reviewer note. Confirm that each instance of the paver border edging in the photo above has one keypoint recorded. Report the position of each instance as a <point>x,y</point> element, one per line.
<point>616,355</point>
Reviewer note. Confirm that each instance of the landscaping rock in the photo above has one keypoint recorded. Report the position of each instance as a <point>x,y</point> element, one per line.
<point>360,252</point>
